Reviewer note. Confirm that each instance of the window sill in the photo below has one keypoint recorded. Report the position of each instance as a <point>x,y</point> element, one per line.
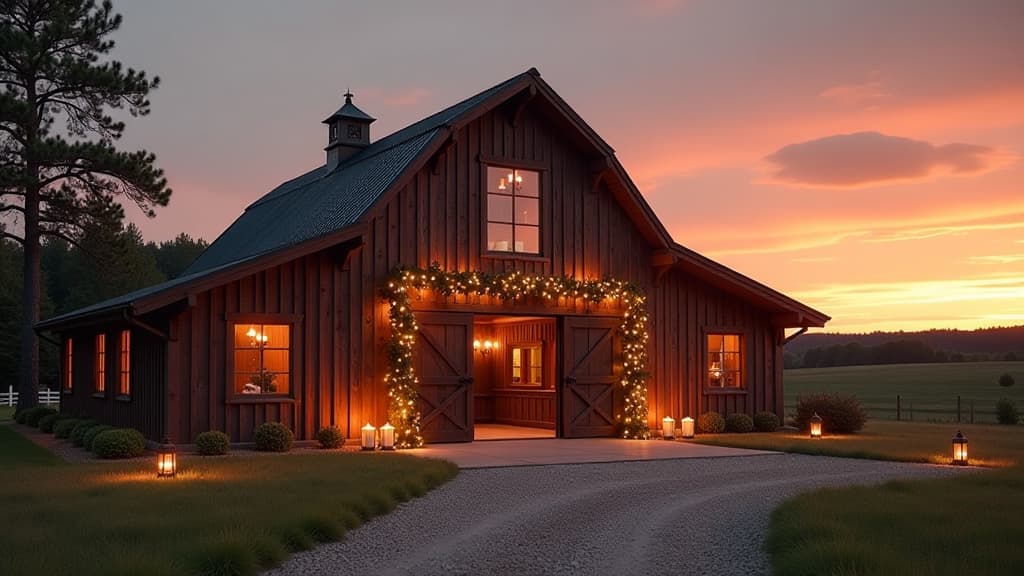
<point>515,256</point>
<point>123,398</point>
<point>725,391</point>
<point>260,399</point>
<point>99,395</point>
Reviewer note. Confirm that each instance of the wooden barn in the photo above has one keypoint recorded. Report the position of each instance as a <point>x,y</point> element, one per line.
<point>469,274</point>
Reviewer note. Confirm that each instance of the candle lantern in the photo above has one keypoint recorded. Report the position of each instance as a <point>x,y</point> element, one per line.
<point>960,449</point>
<point>387,436</point>
<point>668,428</point>
<point>369,437</point>
<point>815,426</point>
<point>687,427</point>
<point>166,459</point>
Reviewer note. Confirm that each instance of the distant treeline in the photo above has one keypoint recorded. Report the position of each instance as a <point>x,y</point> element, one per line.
<point>895,348</point>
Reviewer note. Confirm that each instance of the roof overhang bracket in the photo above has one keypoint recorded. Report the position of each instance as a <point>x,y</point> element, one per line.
<point>127,314</point>
<point>600,169</point>
<point>662,261</point>
<point>793,336</point>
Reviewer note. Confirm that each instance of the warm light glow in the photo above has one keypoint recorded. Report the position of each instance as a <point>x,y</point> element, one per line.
<point>815,426</point>
<point>668,428</point>
<point>686,427</point>
<point>485,347</point>
<point>251,333</point>
<point>387,436</point>
<point>369,437</point>
<point>166,460</point>
<point>959,449</point>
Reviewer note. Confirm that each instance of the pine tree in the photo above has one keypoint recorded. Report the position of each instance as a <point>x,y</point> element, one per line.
<point>59,167</point>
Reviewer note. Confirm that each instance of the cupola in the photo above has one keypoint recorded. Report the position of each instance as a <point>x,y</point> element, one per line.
<point>348,131</point>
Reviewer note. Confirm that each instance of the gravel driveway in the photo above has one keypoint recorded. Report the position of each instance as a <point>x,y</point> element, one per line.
<point>687,516</point>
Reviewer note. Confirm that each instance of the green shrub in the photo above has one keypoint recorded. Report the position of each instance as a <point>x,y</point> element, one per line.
<point>213,443</point>
<point>78,432</point>
<point>92,433</point>
<point>32,415</point>
<point>46,422</point>
<point>840,414</point>
<point>710,423</point>
<point>330,437</point>
<point>739,423</point>
<point>119,443</point>
<point>63,428</point>
<point>766,422</point>
<point>1006,411</point>
<point>1006,380</point>
<point>273,437</point>
<point>20,414</point>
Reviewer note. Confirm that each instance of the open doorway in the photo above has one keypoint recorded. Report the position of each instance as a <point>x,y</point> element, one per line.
<point>514,392</point>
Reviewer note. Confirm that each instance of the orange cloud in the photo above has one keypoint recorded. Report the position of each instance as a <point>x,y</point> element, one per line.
<point>868,158</point>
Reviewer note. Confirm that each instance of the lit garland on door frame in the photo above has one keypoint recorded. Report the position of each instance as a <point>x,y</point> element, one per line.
<point>401,379</point>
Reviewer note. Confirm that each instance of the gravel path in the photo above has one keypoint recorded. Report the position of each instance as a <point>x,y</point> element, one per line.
<point>687,516</point>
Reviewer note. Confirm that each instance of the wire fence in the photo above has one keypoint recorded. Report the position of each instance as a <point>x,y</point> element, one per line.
<point>925,409</point>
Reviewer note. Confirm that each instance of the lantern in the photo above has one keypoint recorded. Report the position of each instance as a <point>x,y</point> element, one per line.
<point>668,428</point>
<point>959,449</point>
<point>815,426</point>
<point>369,437</point>
<point>166,460</point>
<point>687,427</point>
<point>387,436</point>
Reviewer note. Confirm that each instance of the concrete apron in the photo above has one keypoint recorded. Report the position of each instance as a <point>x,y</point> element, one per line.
<point>502,453</point>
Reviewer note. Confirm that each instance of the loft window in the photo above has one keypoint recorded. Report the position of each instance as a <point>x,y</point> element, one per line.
<point>355,131</point>
<point>725,361</point>
<point>100,374</point>
<point>334,131</point>
<point>124,384</point>
<point>513,210</point>
<point>68,348</point>
<point>527,365</point>
<point>262,358</point>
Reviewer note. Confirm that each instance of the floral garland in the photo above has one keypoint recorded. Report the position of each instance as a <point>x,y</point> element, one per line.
<point>401,379</point>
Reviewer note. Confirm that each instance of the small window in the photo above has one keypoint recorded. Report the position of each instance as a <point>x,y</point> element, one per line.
<point>527,365</point>
<point>124,386</point>
<point>334,131</point>
<point>513,210</point>
<point>100,382</point>
<point>262,359</point>
<point>68,348</point>
<point>725,361</point>
<point>355,132</point>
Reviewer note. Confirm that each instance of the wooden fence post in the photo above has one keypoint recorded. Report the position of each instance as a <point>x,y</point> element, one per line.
<point>10,395</point>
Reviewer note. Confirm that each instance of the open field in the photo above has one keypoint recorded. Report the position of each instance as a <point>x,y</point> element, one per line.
<point>222,515</point>
<point>928,391</point>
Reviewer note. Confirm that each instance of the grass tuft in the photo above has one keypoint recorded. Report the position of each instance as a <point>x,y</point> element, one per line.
<point>227,557</point>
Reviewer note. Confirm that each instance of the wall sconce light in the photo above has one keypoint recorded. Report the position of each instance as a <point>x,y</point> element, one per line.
<point>687,427</point>
<point>387,436</point>
<point>668,428</point>
<point>959,449</point>
<point>369,437</point>
<point>167,459</point>
<point>816,426</point>
<point>485,347</point>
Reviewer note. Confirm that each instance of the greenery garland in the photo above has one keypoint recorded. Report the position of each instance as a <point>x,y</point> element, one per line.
<point>401,379</point>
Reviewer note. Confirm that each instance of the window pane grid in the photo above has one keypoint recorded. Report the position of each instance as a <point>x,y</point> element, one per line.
<point>262,354</point>
<point>724,361</point>
<point>124,382</point>
<point>68,349</point>
<point>513,210</point>
<point>100,380</point>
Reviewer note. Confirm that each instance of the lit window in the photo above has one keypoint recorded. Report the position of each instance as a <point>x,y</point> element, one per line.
<point>68,347</point>
<point>513,210</point>
<point>527,366</point>
<point>100,383</point>
<point>124,386</point>
<point>262,358</point>
<point>725,361</point>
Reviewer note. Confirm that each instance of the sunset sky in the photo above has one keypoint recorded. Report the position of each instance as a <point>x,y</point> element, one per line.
<point>863,157</point>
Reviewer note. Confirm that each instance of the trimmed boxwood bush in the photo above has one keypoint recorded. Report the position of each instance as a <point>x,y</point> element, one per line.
<point>213,443</point>
<point>78,432</point>
<point>119,443</point>
<point>63,428</point>
<point>273,437</point>
<point>32,415</point>
<point>710,423</point>
<point>20,414</point>
<point>840,414</point>
<point>739,423</point>
<point>1006,411</point>
<point>330,437</point>
<point>766,422</point>
<point>92,433</point>
<point>46,422</point>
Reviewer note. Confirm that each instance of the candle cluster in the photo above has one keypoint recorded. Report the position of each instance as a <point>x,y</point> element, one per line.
<point>401,378</point>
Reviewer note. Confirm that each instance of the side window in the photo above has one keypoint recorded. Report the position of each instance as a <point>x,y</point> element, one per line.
<point>513,210</point>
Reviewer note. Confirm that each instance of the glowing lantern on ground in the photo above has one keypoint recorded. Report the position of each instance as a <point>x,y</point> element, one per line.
<point>668,428</point>
<point>166,460</point>
<point>959,449</point>
<point>815,426</point>
<point>369,437</point>
<point>387,436</point>
<point>687,427</point>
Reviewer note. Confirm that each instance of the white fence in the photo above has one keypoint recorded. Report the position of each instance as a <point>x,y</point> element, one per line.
<point>46,396</point>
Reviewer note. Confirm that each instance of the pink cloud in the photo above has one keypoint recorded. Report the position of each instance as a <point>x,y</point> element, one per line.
<point>855,94</point>
<point>867,158</point>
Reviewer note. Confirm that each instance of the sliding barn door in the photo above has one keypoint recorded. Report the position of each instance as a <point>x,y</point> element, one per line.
<point>590,376</point>
<point>444,365</point>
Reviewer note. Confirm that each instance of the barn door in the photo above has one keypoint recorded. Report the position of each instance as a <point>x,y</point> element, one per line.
<point>443,361</point>
<point>589,376</point>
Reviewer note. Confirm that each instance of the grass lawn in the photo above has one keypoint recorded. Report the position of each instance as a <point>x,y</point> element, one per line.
<point>6,414</point>
<point>928,391</point>
<point>222,515</point>
<point>966,525</point>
